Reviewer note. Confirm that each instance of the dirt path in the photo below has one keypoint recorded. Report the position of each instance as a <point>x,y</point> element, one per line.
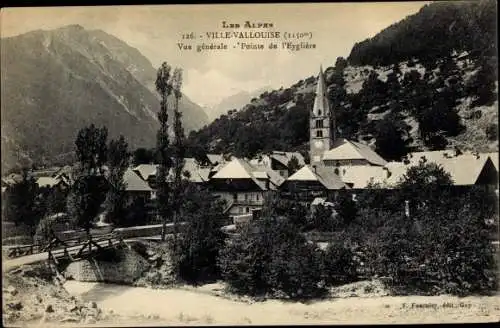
<point>185,307</point>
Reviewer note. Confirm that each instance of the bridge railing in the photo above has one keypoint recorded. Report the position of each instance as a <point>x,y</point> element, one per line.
<point>58,244</point>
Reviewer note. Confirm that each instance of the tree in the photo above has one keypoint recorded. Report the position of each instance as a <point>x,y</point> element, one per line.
<point>89,189</point>
<point>200,244</point>
<point>23,204</point>
<point>482,85</point>
<point>422,183</point>
<point>118,158</point>
<point>346,208</point>
<point>178,150</point>
<point>143,156</point>
<point>293,165</point>
<point>164,88</point>
<point>389,134</point>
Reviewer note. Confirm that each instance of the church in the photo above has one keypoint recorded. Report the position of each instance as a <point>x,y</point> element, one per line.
<point>338,163</point>
<point>325,148</point>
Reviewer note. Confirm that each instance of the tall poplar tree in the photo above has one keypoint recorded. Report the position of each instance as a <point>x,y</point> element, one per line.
<point>179,150</point>
<point>164,88</point>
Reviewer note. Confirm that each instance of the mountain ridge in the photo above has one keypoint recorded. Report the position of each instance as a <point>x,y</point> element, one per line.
<point>58,81</point>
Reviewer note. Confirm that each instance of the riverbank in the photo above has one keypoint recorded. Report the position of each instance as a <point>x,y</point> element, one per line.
<point>201,305</point>
<point>31,297</point>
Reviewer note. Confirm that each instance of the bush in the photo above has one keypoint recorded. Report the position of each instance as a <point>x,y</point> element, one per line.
<point>339,266</point>
<point>198,248</point>
<point>442,248</point>
<point>272,257</point>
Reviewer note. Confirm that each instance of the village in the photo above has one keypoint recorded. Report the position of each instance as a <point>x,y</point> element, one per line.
<point>336,165</point>
<point>151,178</point>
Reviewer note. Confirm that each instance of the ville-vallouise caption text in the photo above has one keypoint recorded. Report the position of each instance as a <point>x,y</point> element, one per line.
<point>245,36</point>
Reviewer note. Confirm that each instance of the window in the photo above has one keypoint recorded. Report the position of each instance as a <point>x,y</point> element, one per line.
<point>257,196</point>
<point>247,209</point>
<point>235,196</point>
<point>319,134</point>
<point>319,124</point>
<point>319,112</point>
<point>246,196</point>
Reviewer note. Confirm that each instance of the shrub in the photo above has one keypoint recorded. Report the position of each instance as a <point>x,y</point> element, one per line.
<point>339,266</point>
<point>441,249</point>
<point>272,257</point>
<point>198,248</point>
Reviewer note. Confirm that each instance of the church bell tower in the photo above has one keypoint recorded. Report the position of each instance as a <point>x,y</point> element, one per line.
<point>321,123</point>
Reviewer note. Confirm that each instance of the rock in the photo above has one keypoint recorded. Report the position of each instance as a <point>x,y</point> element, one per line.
<point>49,308</point>
<point>17,306</point>
<point>70,319</point>
<point>90,320</point>
<point>11,290</point>
<point>38,299</point>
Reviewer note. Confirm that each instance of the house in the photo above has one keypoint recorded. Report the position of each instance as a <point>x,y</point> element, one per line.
<point>278,161</point>
<point>351,153</point>
<point>465,169</point>
<point>136,188</point>
<point>195,173</point>
<point>311,182</point>
<point>243,186</point>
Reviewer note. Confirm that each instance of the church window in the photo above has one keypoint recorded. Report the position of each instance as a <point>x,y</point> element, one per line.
<point>319,124</point>
<point>319,112</point>
<point>319,134</point>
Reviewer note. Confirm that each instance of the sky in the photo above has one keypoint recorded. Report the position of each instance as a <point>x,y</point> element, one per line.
<point>210,76</point>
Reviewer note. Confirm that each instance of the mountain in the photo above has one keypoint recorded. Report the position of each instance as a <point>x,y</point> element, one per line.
<point>433,32</point>
<point>417,98</point>
<point>235,101</point>
<point>56,82</point>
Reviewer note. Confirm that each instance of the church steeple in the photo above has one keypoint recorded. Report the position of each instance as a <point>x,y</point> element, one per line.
<point>322,122</point>
<point>321,104</point>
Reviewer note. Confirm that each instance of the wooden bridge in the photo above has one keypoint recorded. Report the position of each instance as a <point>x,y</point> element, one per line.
<point>71,249</point>
<point>75,245</point>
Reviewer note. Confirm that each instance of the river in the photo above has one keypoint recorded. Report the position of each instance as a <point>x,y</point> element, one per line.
<point>196,306</point>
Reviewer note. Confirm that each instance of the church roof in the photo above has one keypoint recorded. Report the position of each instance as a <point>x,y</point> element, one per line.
<point>321,99</point>
<point>325,176</point>
<point>343,149</point>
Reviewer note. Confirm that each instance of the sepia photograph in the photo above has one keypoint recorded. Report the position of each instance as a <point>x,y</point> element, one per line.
<point>250,164</point>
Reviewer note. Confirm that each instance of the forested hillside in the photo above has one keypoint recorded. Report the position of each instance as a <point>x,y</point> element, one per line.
<point>434,94</point>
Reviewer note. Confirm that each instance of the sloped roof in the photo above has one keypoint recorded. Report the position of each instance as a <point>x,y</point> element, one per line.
<point>45,172</point>
<point>304,174</point>
<point>325,176</point>
<point>146,170</point>
<point>464,169</point>
<point>343,149</point>
<point>215,158</point>
<point>47,182</point>
<point>239,168</point>
<point>361,175</point>
<point>133,181</point>
<point>274,178</point>
<point>494,158</point>
<point>235,169</point>
<point>285,157</point>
